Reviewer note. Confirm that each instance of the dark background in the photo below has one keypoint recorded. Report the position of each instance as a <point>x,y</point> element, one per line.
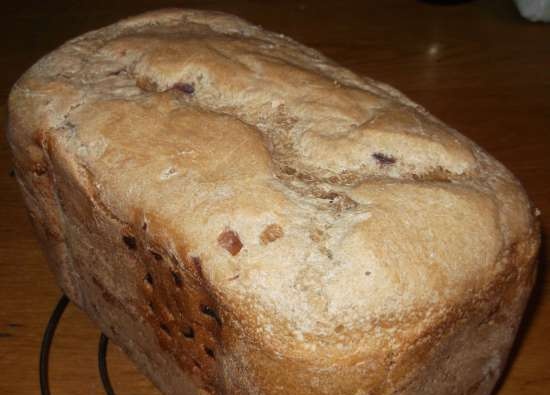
<point>478,66</point>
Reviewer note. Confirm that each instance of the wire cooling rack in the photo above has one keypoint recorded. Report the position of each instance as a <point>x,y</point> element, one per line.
<point>47,339</point>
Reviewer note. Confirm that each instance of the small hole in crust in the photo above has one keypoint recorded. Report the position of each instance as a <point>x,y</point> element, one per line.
<point>148,283</point>
<point>130,242</point>
<point>116,72</point>
<point>207,310</point>
<point>151,308</point>
<point>177,279</point>
<point>39,169</point>
<point>289,170</point>
<point>196,363</point>
<point>188,332</point>
<point>210,352</point>
<point>340,328</point>
<point>165,329</point>
<point>156,255</point>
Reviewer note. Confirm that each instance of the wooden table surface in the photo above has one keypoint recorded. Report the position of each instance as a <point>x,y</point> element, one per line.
<point>478,66</point>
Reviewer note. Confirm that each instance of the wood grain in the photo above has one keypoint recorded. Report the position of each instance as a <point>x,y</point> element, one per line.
<point>478,66</point>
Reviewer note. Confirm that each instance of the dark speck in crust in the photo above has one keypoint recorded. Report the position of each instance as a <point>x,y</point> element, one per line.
<point>384,159</point>
<point>185,88</point>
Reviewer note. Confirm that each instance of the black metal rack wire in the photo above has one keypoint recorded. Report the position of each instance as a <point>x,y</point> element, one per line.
<point>45,348</point>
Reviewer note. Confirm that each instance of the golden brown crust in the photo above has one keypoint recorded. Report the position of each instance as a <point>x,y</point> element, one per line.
<point>320,230</point>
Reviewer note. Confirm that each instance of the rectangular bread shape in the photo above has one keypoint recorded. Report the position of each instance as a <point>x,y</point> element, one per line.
<point>243,216</point>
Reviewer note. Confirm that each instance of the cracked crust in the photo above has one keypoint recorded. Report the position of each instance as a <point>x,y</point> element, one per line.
<point>333,224</point>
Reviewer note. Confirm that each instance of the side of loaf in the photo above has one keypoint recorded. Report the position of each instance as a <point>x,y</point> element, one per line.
<point>244,216</point>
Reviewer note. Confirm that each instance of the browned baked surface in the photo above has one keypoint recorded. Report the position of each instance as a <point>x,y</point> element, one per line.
<point>318,231</point>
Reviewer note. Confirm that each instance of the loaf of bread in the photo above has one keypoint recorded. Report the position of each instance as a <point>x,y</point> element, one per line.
<point>244,216</point>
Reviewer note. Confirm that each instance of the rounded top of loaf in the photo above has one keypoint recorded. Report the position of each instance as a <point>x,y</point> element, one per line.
<point>327,209</point>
